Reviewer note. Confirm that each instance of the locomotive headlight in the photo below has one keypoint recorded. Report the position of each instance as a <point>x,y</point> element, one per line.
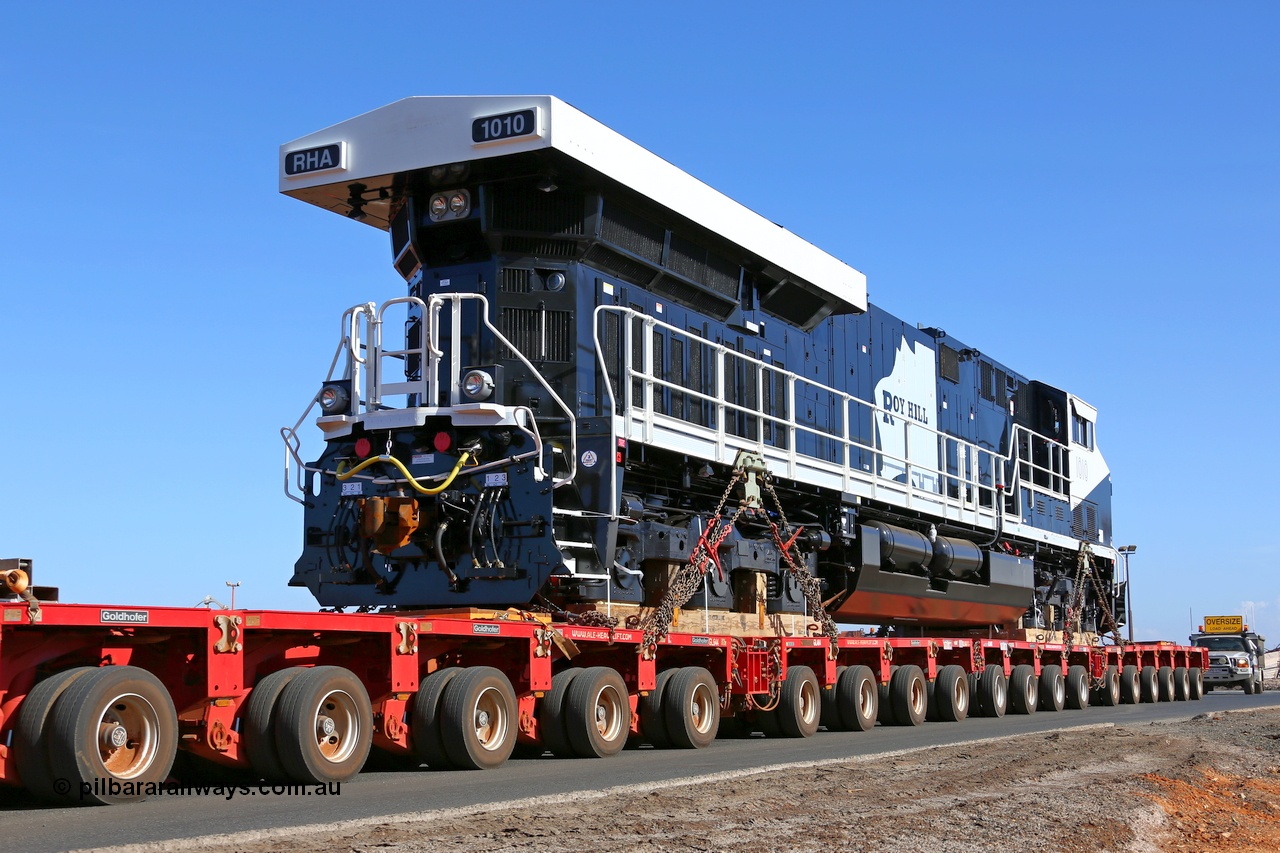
<point>477,385</point>
<point>439,206</point>
<point>459,204</point>
<point>334,399</point>
<point>445,206</point>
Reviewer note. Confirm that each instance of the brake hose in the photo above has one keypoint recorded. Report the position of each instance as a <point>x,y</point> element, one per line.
<point>418,487</point>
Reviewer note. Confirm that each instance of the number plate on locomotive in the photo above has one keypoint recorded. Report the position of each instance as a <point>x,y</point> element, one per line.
<point>505,126</point>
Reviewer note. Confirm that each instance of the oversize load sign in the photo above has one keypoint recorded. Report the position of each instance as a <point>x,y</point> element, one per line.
<point>1223,624</point>
<point>123,617</point>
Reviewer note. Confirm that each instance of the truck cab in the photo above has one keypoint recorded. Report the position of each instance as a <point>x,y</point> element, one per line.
<point>1235,659</point>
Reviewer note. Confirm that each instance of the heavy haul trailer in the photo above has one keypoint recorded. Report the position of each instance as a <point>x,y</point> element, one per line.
<point>98,701</point>
<point>612,387</point>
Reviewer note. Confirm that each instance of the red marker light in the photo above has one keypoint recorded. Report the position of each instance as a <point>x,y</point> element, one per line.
<point>443,442</point>
<point>363,447</point>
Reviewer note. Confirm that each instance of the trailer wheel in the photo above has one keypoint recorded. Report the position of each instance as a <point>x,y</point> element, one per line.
<point>1130,691</point>
<point>909,695</point>
<point>653,722</point>
<point>800,708</point>
<point>116,724</point>
<point>324,726</point>
<point>1077,688</point>
<point>424,718</point>
<point>951,694</point>
<point>692,702</point>
<point>1181,684</point>
<point>478,718</point>
<point>29,752</point>
<point>1195,691</point>
<point>1024,689</point>
<point>858,697</point>
<point>993,692</point>
<point>551,719</point>
<point>1109,691</point>
<point>258,724</point>
<point>1165,681</point>
<point>884,714</point>
<point>597,713</point>
<point>1053,688</point>
<point>1147,690</point>
<point>831,719</point>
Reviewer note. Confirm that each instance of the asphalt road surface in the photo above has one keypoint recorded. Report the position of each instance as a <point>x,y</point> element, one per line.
<point>33,827</point>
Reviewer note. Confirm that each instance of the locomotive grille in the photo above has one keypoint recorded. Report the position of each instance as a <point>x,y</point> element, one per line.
<point>620,265</point>
<point>515,281</point>
<point>521,207</point>
<point>988,381</point>
<point>698,300</point>
<point>948,363</point>
<point>540,334</point>
<point>696,263</point>
<point>612,353</point>
<point>676,376</point>
<point>1084,520</point>
<point>626,230</point>
<point>540,247</point>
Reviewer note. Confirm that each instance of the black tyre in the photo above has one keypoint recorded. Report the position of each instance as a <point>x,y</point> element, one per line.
<point>909,695</point>
<point>831,719</point>
<point>1164,681</point>
<point>884,713</point>
<point>1195,688</point>
<point>1108,693</point>
<point>257,724</point>
<point>993,692</point>
<point>951,694</point>
<point>1181,684</point>
<point>479,718</point>
<point>424,718</point>
<point>692,702</point>
<point>115,724</point>
<point>1077,688</point>
<point>1147,689</point>
<point>1130,690</point>
<point>29,752</point>
<point>324,726</point>
<point>1248,687</point>
<point>1024,689</point>
<point>653,722</point>
<point>858,696</point>
<point>800,708</point>
<point>1053,688</point>
<point>551,718</point>
<point>597,713</point>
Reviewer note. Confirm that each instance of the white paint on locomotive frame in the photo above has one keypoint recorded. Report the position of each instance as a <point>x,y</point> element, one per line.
<point>417,133</point>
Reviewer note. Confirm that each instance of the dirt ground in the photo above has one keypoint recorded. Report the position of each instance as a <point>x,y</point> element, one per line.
<point>1208,784</point>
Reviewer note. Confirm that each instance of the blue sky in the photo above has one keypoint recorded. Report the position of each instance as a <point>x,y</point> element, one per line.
<point>1088,192</point>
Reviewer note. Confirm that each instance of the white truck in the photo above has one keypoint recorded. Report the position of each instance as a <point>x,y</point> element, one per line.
<point>1236,654</point>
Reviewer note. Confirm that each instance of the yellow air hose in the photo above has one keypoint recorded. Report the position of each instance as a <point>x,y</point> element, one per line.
<point>418,487</point>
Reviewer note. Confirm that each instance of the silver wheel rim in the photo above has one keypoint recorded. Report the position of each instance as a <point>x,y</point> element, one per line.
<point>807,702</point>
<point>128,735</point>
<point>337,726</point>
<point>608,713</point>
<point>490,719</point>
<point>1059,690</point>
<point>868,695</point>
<point>919,696</point>
<point>960,696</point>
<point>700,708</point>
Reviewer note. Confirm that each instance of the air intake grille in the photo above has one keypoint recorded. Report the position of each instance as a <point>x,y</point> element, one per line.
<point>626,230</point>
<point>522,207</point>
<point>1084,521</point>
<point>699,300</point>
<point>515,281</point>
<point>539,334</point>
<point>948,363</point>
<point>620,265</point>
<point>539,247</point>
<point>694,262</point>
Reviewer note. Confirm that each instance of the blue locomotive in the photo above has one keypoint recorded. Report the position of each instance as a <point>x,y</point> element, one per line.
<point>600,360</point>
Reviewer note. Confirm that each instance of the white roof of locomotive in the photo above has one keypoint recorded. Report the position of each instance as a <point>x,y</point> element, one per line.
<point>416,133</point>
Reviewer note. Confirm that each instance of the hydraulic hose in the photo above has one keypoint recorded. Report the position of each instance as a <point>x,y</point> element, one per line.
<point>418,487</point>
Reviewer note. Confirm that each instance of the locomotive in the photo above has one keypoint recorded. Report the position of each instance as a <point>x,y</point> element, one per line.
<point>599,359</point>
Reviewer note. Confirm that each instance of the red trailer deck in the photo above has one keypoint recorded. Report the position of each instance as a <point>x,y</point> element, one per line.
<point>97,692</point>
